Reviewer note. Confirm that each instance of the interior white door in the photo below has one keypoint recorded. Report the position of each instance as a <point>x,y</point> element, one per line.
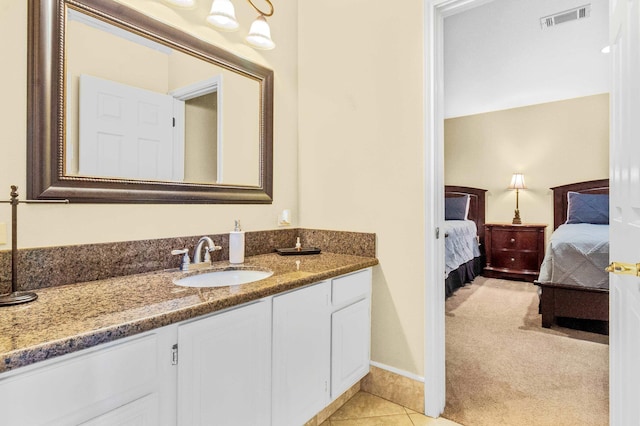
<point>625,212</point>
<point>125,131</point>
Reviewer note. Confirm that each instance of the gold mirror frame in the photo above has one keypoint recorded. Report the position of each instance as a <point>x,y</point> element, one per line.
<point>46,178</point>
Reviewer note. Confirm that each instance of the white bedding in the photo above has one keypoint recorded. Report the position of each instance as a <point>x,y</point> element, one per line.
<point>460,244</point>
<point>577,255</point>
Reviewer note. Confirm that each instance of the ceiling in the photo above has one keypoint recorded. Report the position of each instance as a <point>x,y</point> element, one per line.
<point>498,56</point>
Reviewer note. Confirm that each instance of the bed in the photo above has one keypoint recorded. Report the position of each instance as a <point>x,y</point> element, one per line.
<point>572,281</point>
<point>464,235</point>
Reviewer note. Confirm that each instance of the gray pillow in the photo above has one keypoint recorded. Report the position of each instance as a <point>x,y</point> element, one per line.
<point>456,208</point>
<point>588,208</point>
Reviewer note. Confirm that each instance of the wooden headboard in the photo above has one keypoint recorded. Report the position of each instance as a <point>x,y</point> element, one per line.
<point>600,186</point>
<point>476,204</point>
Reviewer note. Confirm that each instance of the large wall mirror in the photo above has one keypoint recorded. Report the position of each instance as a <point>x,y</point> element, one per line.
<point>123,108</point>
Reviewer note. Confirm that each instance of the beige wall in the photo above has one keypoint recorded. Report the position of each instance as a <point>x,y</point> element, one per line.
<point>552,144</point>
<point>50,225</point>
<point>361,152</point>
<point>239,97</point>
<point>238,148</point>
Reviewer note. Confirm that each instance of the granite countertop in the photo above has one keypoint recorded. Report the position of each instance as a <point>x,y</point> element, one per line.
<point>72,317</point>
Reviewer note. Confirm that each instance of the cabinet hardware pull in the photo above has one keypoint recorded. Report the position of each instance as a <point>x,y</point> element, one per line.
<point>174,354</point>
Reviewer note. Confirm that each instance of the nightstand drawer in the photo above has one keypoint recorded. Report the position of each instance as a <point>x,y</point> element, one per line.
<point>516,240</point>
<point>515,260</point>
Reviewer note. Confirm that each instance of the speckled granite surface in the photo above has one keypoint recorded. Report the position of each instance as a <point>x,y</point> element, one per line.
<point>68,318</point>
<point>53,266</point>
<point>357,243</point>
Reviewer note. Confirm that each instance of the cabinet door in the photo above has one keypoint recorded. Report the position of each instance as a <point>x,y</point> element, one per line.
<point>350,346</point>
<point>84,385</point>
<point>224,368</point>
<point>301,354</point>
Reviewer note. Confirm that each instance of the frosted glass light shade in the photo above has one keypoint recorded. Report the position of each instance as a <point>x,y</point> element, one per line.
<point>187,4</point>
<point>260,34</point>
<point>223,15</point>
<point>517,181</point>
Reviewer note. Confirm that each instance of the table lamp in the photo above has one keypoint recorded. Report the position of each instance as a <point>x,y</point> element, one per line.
<point>517,183</point>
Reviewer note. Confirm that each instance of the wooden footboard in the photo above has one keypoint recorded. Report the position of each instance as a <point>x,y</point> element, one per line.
<point>560,300</point>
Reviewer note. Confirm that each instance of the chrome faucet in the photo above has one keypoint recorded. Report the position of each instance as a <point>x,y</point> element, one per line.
<point>210,246</point>
<point>205,243</point>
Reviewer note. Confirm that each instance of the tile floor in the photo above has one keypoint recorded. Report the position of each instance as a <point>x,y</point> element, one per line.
<point>365,409</point>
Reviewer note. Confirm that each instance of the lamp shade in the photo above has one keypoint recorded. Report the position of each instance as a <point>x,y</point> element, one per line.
<point>517,181</point>
<point>260,34</point>
<point>223,15</point>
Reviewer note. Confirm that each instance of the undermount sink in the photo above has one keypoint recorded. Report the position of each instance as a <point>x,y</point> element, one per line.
<point>223,278</point>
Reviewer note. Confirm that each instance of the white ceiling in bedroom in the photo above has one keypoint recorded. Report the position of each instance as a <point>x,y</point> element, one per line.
<point>498,56</point>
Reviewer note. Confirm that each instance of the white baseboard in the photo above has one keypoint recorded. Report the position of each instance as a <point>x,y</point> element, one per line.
<point>398,371</point>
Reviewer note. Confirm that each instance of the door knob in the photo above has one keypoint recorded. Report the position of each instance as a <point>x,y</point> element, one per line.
<point>624,268</point>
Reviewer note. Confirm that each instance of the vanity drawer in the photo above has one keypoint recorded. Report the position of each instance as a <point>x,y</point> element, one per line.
<point>350,288</point>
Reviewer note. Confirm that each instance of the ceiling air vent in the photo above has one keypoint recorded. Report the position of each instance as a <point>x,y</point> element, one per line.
<point>566,16</point>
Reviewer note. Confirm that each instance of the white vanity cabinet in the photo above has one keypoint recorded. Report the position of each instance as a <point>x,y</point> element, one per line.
<point>224,368</point>
<point>321,345</point>
<point>278,361</point>
<point>275,361</point>
<point>301,354</point>
<point>120,383</point>
<point>350,330</point>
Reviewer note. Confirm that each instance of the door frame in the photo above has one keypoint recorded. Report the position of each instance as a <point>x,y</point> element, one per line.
<point>434,350</point>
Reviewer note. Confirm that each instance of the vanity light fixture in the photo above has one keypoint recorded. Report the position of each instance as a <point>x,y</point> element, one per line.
<point>517,183</point>
<point>222,16</point>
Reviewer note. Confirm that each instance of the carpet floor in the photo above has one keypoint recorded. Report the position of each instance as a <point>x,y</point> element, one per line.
<point>503,368</point>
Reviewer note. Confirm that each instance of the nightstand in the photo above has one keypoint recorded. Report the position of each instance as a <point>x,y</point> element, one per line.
<point>514,251</point>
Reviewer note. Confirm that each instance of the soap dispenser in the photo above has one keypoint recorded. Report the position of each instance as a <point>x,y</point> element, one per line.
<point>236,244</point>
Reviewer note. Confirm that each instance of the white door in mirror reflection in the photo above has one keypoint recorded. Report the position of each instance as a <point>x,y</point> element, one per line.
<point>127,132</point>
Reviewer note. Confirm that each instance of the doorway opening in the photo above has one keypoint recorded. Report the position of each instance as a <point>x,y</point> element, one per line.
<point>435,13</point>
